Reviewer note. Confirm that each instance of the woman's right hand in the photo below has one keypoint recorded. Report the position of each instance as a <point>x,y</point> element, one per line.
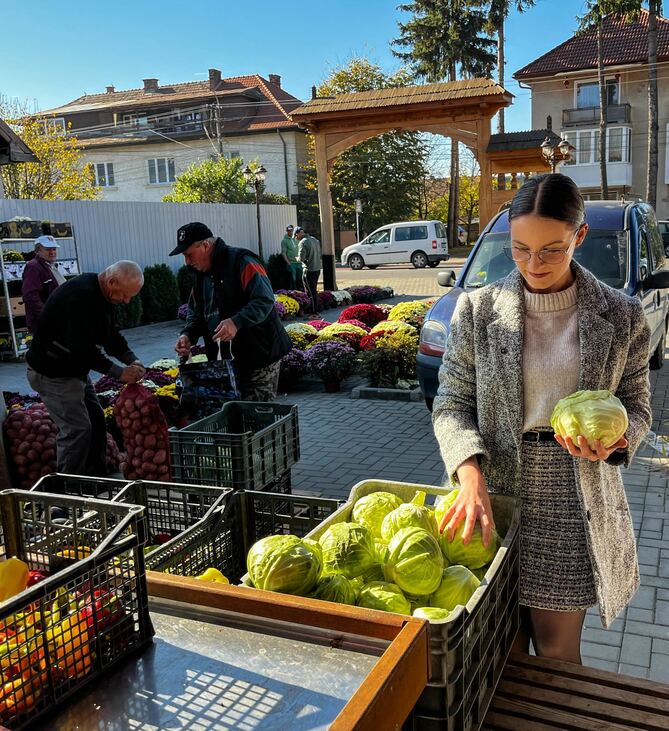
<point>471,504</point>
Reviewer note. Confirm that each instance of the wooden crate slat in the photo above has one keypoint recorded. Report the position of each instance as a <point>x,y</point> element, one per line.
<point>495,721</point>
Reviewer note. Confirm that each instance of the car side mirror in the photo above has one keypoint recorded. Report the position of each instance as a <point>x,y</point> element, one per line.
<point>446,279</point>
<point>659,280</point>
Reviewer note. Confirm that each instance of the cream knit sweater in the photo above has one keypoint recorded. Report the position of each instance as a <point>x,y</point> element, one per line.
<point>550,354</point>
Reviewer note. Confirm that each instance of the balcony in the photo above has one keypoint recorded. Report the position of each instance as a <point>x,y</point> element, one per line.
<point>615,114</point>
<point>619,174</point>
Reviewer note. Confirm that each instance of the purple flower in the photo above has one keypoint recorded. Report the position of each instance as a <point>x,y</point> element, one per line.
<point>331,360</point>
<point>293,366</point>
<point>182,312</point>
<point>280,310</point>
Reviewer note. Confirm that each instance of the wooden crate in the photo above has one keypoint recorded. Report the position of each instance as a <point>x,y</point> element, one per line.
<point>537,694</point>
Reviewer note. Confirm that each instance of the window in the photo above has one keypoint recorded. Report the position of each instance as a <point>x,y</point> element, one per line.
<point>231,155</point>
<point>586,143</point>
<point>440,230</point>
<point>53,126</point>
<point>587,95</point>
<point>380,237</point>
<point>103,174</point>
<point>161,170</point>
<point>410,233</point>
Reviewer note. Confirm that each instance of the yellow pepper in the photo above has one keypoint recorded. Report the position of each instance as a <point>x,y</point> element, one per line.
<point>14,575</point>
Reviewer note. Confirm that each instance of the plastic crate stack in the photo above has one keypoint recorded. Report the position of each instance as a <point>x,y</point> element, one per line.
<point>246,446</point>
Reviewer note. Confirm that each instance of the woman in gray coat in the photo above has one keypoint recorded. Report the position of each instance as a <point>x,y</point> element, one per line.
<point>515,349</point>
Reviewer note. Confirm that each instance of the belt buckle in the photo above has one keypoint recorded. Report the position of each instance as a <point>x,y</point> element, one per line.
<point>533,436</point>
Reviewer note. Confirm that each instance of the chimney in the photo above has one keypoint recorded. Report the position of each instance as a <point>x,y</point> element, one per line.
<point>214,79</point>
<point>275,79</point>
<point>150,86</point>
<point>549,122</point>
<point>110,90</point>
<point>313,92</point>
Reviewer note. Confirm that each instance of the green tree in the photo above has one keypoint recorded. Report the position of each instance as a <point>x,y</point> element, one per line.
<point>60,173</point>
<point>217,180</point>
<point>444,39</point>
<point>386,172</point>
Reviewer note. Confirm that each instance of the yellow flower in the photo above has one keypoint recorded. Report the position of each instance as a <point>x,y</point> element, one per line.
<point>172,372</point>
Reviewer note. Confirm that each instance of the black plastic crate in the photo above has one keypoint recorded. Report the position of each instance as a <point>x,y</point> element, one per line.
<point>102,488</point>
<point>225,536</point>
<point>244,446</point>
<point>89,614</point>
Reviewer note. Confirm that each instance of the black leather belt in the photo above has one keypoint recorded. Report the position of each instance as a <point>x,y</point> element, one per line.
<point>539,436</point>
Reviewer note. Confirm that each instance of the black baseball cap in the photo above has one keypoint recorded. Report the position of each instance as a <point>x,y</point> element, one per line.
<point>190,234</point>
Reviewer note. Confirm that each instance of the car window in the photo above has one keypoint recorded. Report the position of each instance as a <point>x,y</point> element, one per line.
<point>379,237</point>
<point>410,233</point>
<point>664,227</point>
<point>603,252</point>
<point>656,243</point>
<point>440,230</point>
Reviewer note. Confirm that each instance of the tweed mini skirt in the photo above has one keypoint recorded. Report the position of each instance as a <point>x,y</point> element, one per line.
<point>555,567</point>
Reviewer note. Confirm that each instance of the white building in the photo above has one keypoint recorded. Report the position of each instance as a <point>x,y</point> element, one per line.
<point>139,140</point>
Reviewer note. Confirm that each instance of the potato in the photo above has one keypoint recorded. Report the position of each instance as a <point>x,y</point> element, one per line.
<point>148,455</point>
<point>160,457</point>
<point>139,439</point>
<point>150,441</point>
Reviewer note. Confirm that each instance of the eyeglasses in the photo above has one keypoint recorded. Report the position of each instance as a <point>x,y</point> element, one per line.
<point>547,256</point>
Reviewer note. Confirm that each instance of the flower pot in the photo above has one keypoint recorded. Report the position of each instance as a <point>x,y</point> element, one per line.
<point>332,386</point>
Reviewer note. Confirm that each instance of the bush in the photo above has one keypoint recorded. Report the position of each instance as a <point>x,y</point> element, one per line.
<point>382,366</point>
<point>160,294</point>
<point>185,282</point>
<point>278,273</point>
<point>129,315</point>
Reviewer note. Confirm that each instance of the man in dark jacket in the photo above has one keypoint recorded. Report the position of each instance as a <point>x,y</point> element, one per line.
<point>40,279</point>
<point>232,301</point>
<point>77,319</point>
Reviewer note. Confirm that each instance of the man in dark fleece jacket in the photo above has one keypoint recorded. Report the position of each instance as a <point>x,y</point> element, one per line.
<point>232,301</point>
<point>76,321</point>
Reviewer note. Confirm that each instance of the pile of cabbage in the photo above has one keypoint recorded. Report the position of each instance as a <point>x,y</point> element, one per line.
<point>391,557</point>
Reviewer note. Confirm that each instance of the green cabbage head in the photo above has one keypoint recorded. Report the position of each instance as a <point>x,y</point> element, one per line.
<point>283,563</point>
<point>414,561</point>
<point>384,596</point>
<point>443,504</point>
<point>370,510</point>
<point>474,554</point>
<point>348,549</point>
<point>456,587</point>
<point>433,614</point>
<point>590,414</point>
<point>408,515</point>
<point>335,588</point>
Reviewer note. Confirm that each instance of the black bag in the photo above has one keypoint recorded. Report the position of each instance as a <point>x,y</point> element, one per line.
<point>205,387</point>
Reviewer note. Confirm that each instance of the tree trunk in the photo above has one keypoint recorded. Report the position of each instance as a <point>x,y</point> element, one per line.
<point>500,71</point>
<point>651,186</point>
<point>602,113</point>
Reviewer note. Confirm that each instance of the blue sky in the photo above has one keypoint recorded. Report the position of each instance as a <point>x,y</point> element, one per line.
<point>53,52</point>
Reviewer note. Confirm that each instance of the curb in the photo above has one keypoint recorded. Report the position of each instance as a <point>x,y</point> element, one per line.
<point>387,394</point>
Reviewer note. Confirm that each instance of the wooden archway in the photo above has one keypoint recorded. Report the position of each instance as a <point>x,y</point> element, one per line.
<point>461,110</point>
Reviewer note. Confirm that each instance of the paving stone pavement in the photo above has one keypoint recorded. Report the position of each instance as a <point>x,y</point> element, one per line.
<point>344,441</point>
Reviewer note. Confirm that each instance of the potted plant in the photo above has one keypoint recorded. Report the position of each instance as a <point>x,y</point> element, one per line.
<point>331,361</point>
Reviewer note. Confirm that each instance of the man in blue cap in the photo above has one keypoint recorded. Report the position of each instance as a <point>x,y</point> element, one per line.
<point>232,301</point>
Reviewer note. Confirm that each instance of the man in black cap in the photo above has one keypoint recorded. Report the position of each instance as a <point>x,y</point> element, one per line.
<point>232,301</point>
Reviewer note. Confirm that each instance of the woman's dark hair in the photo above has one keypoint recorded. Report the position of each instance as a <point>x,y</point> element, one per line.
<point>551,195</point>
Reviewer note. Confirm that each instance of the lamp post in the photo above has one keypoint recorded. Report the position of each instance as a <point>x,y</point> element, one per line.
<point>255,179</point>
<point>555,154</point>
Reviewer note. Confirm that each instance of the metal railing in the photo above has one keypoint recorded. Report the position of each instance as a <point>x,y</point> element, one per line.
<point>615,113</point>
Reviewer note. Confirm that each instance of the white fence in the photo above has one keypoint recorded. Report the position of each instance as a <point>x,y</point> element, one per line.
<point>107,231</point>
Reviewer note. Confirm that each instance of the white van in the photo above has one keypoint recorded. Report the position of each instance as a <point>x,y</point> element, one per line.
<point>421,243</point>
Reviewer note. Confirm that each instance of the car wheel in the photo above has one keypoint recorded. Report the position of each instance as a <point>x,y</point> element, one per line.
<point>657,358</point>
<point>419,260</point>
<point>429,402</point>
<point>433,264</point>
<point>356,262</point>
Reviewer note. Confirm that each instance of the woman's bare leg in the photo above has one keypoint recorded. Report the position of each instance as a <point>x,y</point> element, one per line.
<point>557,634</point>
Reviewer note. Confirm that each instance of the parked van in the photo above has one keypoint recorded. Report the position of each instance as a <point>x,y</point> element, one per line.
<point>421,243</point>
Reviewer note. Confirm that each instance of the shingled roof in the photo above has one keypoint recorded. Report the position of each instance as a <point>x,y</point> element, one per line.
<point>528,140</point>
<point>401,96</point>
<point>624,43</point>
<point>13,148</point>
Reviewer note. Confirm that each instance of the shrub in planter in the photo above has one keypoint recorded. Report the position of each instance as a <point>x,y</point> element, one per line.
<point>278,273</point>
<point>160,294</point>
<point>357,323</point>
<point>319,324</point>
<point>346,332</point>
<point>326,300</point>
<point>290,305</point>
<point>293,367</point>
<point>129,315</point>
<point>185,282</point>
<point>342,297</point>
<point>331,361</point>
<point>369,314</point>
<point>412,312</point>
<point>301,334</point>
<point>280,310</point>
<point>302,299</point>
<point>382,366</point>
<point>392,326</point>
<point>405,345</point>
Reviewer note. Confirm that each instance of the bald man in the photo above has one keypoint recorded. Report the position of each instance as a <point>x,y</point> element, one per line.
<point>76,325</point>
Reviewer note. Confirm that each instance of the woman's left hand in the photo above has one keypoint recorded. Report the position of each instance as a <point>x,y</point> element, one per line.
<point>582,449</point>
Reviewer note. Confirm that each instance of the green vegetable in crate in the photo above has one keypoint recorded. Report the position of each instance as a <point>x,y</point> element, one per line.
<point>348,549</point>
<point>314,546</point>
<point>474,554</point>
<point>283,563</point>
<point>408,515</point>
<point>385,596</point>
<point>381,550</point>
<point>374,574</point>
<point>433,614</point>
<point>414,561</point>
<point>457,587</point>
<point>370,510</point>
<point>443,503</point>
<point>335,588</point>
<point>213,574</point>
<point>590,414</point>
<point>480,573</point>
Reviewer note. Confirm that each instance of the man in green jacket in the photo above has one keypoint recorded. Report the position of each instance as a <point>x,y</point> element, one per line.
<point>310,254</point>
<point>289,253</point>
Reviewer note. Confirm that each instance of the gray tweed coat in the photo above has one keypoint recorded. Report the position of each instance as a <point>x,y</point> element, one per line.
<point>479,408</point>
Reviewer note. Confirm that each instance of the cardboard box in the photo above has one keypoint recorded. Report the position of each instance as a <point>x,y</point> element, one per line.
<point>17,308</point>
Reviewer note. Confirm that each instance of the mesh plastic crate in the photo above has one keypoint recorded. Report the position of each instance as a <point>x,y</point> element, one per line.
<point>225,536</point>
<point>468,650</point>
<point>88,614</point>
<point>103,488</point>
<point>244,446</point>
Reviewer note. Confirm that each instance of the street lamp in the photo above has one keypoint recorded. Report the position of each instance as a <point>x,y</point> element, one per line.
<point>554,154</point>
<point>254,179</point>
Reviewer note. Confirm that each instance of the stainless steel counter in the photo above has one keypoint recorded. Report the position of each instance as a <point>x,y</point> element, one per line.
<point>201,675</point>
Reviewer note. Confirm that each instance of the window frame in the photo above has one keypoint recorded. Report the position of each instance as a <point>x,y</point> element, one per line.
<point>168,162</point>
<point>574,136</point>
<point>108,168</point>
<point>611,80</point>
